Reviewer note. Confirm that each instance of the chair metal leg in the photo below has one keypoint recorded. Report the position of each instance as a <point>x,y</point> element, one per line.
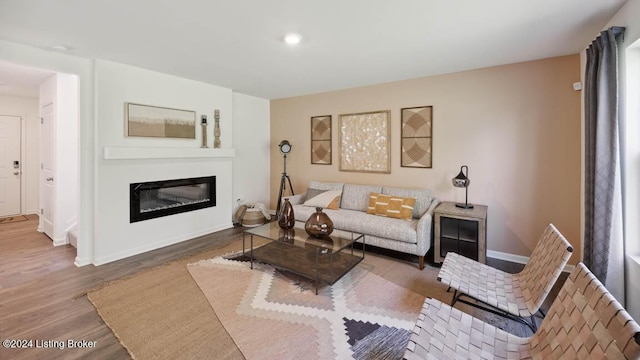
<point>455,297</point>
<point>489,308</point>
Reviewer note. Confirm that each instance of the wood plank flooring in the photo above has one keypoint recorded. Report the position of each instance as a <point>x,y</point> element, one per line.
<point>39,284</point>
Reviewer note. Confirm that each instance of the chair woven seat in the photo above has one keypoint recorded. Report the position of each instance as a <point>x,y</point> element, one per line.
<point>584,322</point>
<point>444,332</point>
<point>520,294</point>
<point>487,284</point>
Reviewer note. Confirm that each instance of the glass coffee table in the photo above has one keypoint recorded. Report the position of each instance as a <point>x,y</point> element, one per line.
<point>324,260</point>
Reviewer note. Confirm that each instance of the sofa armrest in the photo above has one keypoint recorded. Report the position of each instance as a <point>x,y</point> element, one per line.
<point>424,228</point>
<point>296,199</point>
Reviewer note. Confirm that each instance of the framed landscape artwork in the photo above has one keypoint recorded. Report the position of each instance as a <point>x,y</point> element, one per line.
<point>416,137</point>
<point>154,121</point>
<point>364,142</point>
<point>321,140</point>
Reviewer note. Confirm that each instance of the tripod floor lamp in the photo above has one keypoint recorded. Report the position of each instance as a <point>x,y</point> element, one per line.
<point>285,149</point>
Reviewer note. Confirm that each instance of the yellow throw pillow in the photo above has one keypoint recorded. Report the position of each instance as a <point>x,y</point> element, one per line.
<point>371,207</point>
<point>391,206</point>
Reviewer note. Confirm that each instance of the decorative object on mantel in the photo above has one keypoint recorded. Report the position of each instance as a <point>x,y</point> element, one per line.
<point>286,217</point>
<point>154,121</point>
<point>216,129</point>
<point>364,142</point>
<point>319,224</point>
<point>462,181</point>
<point>416,137</point>
<point>204,131</point>
<point>321,140</point>
<point>285,149</point>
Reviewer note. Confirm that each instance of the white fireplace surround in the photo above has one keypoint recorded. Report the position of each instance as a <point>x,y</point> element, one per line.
<point>124,153</point>
<point>123,239</point>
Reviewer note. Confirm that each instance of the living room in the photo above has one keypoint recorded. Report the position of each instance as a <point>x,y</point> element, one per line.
<point>517,126</point>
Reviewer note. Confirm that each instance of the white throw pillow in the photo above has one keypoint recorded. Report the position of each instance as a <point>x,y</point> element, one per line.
<point>327,200</point>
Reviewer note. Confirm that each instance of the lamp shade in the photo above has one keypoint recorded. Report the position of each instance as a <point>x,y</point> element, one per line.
<point>285,146</point>
<point>461,180</point>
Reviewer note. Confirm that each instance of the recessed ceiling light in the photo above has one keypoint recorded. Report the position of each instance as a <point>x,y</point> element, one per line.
<point>60,48</point>
<point>292,39</point>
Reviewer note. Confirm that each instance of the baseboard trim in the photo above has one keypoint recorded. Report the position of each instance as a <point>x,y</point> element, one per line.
<point>157,245</point>
<point>79,262</point>
<point>60,242</point>
<point>518,259</point>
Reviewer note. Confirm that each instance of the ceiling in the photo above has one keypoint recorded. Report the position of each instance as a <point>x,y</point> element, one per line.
<point>18,80</point>
<point>238,44</point>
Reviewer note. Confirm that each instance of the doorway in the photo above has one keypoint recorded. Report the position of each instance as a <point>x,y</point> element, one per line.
<point>10,166</point>
<point>25,93</point>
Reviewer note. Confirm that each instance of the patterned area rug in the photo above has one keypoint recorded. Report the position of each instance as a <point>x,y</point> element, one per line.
<point>274,314</point>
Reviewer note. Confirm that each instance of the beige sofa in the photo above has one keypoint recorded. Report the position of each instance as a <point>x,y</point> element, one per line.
<point>408,236</point>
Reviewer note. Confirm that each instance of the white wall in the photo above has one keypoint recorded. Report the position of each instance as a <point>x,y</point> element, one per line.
<point>629,17</point>
<point>116,84</point>
<point>67,151</point>
<point>27,109</point>
<point>251,139</point>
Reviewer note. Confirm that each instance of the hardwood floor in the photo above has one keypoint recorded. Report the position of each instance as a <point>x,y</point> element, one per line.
<point>39,285</point>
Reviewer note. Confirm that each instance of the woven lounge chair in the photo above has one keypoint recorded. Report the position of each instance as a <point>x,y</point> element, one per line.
<point>514,296</point>
<point>584,322</point>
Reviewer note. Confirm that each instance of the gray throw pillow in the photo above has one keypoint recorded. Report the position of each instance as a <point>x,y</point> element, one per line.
<point>311,193</point>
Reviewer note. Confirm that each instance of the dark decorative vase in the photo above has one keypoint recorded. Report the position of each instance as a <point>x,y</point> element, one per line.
<point>286,219</point>
<point>287,235</point>
<point>319,225</point>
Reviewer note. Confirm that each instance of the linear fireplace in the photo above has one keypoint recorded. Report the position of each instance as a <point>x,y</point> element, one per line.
<point>154,199</point>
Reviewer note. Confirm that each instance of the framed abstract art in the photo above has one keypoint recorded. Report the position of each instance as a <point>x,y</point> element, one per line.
<point>321,140</point>
<point>364,142</point>
<point>416,137</point>
<point>162,122</point>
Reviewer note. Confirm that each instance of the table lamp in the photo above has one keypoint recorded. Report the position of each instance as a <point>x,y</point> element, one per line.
<point>462,181</point>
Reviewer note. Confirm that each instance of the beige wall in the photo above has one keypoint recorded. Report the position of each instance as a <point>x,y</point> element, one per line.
<point>516,126</point>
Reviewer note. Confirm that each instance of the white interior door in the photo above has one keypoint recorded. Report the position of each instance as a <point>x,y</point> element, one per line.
<point>47,170</point>
<point>10,165</point>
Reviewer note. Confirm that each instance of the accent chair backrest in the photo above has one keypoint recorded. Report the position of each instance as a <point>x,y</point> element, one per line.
<point>544,267</point>
<point>586,322</point>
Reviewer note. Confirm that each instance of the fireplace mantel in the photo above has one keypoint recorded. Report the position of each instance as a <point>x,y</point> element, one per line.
<point>132,153</point>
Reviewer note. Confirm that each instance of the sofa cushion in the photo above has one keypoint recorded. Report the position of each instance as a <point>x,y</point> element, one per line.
<point>423,198</point>
<point>356,197</point>
<point>391,206</point>
<point>363,223</point>
<point>383,227</point>
<point>329,199</point>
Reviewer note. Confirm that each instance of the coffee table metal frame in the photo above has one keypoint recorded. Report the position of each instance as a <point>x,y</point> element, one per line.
<point>321,259</point>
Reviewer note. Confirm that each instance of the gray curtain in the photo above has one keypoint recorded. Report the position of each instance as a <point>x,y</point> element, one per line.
<point>604,242</point>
